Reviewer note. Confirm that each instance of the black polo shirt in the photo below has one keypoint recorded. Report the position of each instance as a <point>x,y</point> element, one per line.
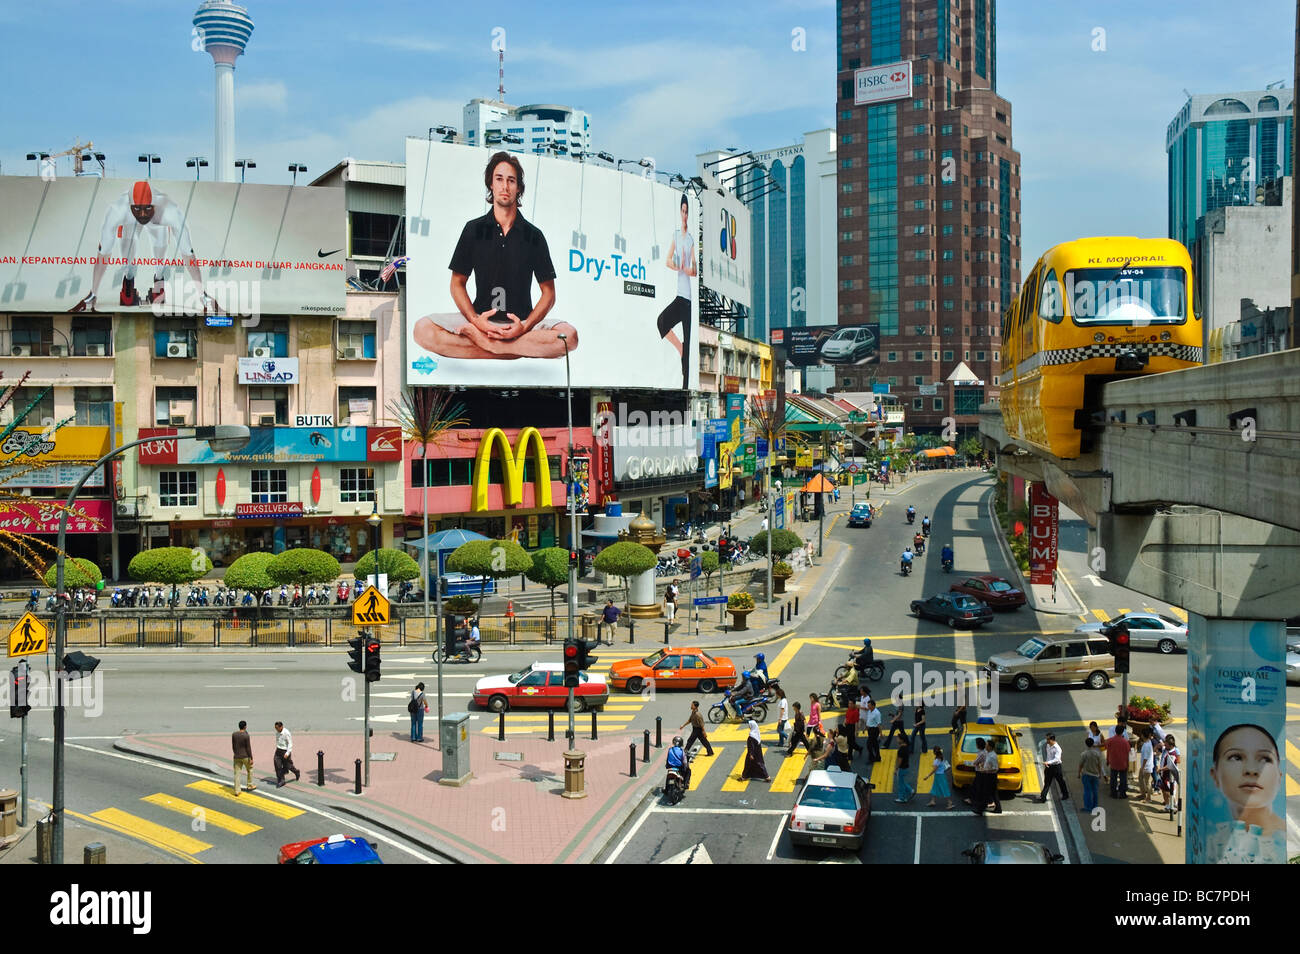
<point>507,261</point>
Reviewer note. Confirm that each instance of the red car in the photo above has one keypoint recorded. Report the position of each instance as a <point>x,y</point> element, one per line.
<point>539,686</point>
<point>334,850</point>
<point>993,590</point>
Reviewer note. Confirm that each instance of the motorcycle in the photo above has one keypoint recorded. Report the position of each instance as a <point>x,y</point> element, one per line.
<point>911,517</point>
<point>248,599</point>
<point>947,565</point>
<point>159,598</point>
<point>191,598</point>
<point>32,597</point>
<point>115,600</point>
<point>925,529</point>
<point>674,786</point>
<point>906,567</point>
<point>343,593</point>
<point>919,546</point>
<point>874,672</point>
<point>50,602</point>
<point>755,708</point>
<point>296,600</point>
<point>458,654</point>
<point>267,599</point>
<point>284,596</point>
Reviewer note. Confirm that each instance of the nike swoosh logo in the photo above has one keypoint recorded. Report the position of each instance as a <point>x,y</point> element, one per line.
<point>321,253</point>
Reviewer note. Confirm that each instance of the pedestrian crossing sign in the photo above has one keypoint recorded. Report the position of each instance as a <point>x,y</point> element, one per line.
<point>28,636</point>
<point>370,608</point>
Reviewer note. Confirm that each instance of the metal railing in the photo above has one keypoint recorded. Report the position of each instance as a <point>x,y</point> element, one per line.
<point>248,630</point>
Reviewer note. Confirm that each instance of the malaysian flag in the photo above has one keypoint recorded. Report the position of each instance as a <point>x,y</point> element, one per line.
<point>391,268</point>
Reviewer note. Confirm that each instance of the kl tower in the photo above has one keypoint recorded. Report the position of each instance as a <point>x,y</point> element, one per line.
<point>224,29</point>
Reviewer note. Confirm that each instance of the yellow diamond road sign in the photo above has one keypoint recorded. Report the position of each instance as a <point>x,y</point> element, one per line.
<point>28,636</point>
<point>371,607</point>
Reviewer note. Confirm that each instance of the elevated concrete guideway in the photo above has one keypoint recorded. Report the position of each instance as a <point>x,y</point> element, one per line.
<point>1192,485</point>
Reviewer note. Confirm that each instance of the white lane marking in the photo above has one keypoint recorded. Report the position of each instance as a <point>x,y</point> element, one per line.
<point>916,856</point>
<point>217,707</point>
<point>678,810</point>
<point>780,827</point>
<point>1061,846</point>
<point>348,824</point>
<point>251,668</point>
<point>235,686</point>
<point>631,833</point>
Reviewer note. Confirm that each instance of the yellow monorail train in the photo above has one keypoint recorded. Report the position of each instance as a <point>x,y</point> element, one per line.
<point>1092,311</point>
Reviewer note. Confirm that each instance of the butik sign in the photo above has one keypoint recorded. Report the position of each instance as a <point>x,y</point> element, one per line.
<point>203,243</point>
<point>618,250</point>
<point>268,370</point>
<point>1043,533</point>
<point>881,84</point>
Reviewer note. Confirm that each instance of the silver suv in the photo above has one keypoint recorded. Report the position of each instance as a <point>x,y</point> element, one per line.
<point>1056,660</point>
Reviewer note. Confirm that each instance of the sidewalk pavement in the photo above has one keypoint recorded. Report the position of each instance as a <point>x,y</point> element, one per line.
<point>1043,598</point>
<point>119,849</point>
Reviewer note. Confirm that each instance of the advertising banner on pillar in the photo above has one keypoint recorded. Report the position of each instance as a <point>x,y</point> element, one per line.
<point>1044,512</point>
<point>1232,759</point>
<point>710,456</point>
<point>580,482</point>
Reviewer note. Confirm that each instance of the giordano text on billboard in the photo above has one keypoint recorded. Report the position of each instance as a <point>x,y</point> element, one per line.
<point>618,250</point>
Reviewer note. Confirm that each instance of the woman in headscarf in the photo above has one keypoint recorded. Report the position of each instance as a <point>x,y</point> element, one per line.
<point>754,767</point>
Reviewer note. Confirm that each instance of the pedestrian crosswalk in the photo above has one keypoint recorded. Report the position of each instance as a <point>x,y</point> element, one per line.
<point>616,715</point>
<point>187,824</point>
<point>729,750</point>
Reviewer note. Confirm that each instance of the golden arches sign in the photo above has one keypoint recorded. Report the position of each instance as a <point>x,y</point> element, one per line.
<point>512,467</point>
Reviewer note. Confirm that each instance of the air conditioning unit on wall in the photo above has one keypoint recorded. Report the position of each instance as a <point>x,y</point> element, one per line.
<point>266,420</point>
<point>95,350</point>
<point>21,351</point>
<point>178,349</point>
<point>262,353</point>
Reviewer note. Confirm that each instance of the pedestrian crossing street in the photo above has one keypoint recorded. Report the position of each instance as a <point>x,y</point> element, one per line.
<point>1104,617</point>
<point>182,823</point>
<point>786,770</point>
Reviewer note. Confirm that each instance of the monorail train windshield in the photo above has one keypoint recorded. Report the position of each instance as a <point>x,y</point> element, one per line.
<point>1129,296</point>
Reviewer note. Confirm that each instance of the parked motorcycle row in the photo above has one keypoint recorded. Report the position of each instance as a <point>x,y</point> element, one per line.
<point>86,600</point>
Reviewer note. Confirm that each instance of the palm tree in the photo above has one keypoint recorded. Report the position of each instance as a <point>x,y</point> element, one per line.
<point>768,418</point>
<point>425,416</point>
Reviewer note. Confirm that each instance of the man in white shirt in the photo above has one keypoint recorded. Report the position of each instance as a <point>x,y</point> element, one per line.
<point>1146,767</point>
<point>873,731</point>
<point>284,755</point>
<point>1052,769</point>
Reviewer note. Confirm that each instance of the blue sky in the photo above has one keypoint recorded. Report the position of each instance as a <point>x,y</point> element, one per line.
<point>329,79</point>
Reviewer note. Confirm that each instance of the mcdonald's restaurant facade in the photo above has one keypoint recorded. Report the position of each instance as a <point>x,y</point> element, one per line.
<point>500,482</point>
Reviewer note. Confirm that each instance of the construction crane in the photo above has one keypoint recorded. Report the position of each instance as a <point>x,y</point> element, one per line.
<point>81,153</point>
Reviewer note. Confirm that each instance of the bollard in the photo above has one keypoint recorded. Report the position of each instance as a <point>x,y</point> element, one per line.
<point>45,840</point>
<point>631,759</point>
<point>789,614</point>
<point>550,725</point>
<point>95,854</point>
<point>796,606</point>
<point>631,631</point>
<point>320,767</point>
<point>357,787</point>
<point>501,726</point>
<point>645,752</point>
<point>780,621</point>
<point>665,634</point>
<point>659,732</point>
<point>593,724</point>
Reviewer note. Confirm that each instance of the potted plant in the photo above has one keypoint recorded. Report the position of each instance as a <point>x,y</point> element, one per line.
<point>739,604</point>
<point>1143,710</point>
<point>781,571</point>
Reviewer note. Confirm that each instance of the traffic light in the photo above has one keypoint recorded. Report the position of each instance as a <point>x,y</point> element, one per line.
<point>1120,649</point>
<point>571,667</point>
<point>585,661</point>
<point>584,563</point>
<point>18,706</point>
<point>357,654</point>
<point>372,659</point>
<point>574,559</point>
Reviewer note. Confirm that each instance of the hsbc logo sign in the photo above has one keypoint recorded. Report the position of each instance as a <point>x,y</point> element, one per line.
<point>881,84</point>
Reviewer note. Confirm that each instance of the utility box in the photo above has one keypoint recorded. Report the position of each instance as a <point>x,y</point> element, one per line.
<point>8,813</point>
<point>95,853</point>
<point>453,734</point>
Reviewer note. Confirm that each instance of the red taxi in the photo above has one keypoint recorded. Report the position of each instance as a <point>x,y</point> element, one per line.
<point>539,686</point>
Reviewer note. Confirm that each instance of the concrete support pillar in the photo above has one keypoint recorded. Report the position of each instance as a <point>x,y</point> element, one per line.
<point>1232,757</point>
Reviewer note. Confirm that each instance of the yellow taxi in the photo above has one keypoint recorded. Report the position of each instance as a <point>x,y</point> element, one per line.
<point>1004,739</point>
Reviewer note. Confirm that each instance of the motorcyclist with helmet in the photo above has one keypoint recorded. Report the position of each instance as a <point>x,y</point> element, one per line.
<point>946,556</point>
<point>905,561</point>
<point>677,761</point>
<point>918,544</point>
<point>925,524</point>
<point>742,692</point>
<point>911,513</point>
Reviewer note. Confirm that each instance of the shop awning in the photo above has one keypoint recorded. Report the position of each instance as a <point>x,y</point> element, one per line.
<point>938,452</point>
<point>819,485</point>
<point>445,540</point>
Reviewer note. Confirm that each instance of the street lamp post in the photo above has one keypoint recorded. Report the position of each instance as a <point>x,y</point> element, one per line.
<point>374,521</point>
<point>573,519</point>
<point>223,437</point>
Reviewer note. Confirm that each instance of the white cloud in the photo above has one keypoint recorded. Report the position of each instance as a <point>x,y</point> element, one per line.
<point>269,94</point>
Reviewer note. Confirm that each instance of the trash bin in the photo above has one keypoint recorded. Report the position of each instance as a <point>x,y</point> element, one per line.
<point>8,812</point>
<point>589,627</point>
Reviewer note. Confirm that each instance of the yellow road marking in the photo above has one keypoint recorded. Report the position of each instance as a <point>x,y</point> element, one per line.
<point>734,782</point>
<point>924,764</point>
<point>148,831</point>
<point>90,820</point>
<point>700,767</point>
<point>268,805</point>
<point>1029,772</point>
<point>1123,611</point>
<point>1101,615</point>
<point>1292,756</point>
<point>209,816</point>
<point>882,772</point>
<point>601,717</point>
<point>789,773</point>
<point>1158,685</point>
<point>1179,612</point>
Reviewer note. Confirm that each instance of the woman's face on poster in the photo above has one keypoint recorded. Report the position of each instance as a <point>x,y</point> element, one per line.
<point>1246,770</point>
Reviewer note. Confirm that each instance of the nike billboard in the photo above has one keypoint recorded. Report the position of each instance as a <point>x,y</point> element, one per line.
<point>170,247</point>
<point>607,259</point>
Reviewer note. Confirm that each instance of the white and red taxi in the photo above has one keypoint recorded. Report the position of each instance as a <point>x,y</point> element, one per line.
<point>539,686</point>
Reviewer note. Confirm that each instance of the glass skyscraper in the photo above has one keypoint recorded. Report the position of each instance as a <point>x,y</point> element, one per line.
<point>1220,148</point>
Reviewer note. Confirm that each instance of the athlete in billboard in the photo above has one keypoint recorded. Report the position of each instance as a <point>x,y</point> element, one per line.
<point>681,259</point>
<point>142,217</point>
<point>504,252</point>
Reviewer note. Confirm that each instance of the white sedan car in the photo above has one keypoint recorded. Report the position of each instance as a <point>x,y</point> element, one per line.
<point>1146,630</point>
<point>832,810</point>
<point>1293,662</point>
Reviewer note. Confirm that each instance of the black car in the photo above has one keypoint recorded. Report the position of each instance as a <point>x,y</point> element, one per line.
<point>955,609</point>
